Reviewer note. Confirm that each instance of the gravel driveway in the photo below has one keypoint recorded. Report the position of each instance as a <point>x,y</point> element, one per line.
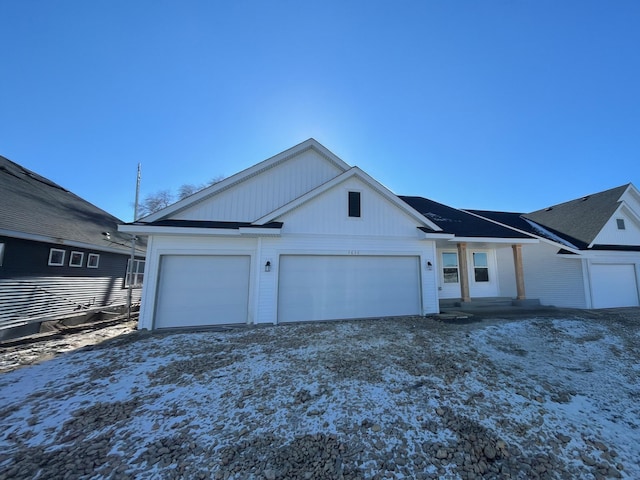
<point>554,396</point>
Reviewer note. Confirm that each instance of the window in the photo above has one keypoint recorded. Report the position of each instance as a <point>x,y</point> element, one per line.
<point>76,259</point>
<point>135,276</point>
<point>480,267</point>
<point>620,222</point>
<point>93,260</point>
<point>56,257</point>
<point>1,253</point>
<point>450,267</point>
<point>354,204</point>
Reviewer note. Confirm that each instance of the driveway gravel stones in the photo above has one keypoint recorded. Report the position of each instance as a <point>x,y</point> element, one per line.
<point>545,397</point>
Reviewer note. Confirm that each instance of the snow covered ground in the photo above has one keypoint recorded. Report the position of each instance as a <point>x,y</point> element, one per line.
<point>546,397</point>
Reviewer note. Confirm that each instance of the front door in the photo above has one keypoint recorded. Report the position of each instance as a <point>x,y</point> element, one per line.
<point>483,281</point>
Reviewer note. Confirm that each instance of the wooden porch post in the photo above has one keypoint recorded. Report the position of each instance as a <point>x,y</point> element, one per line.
<point>517,261</point>
<point>464,272</point>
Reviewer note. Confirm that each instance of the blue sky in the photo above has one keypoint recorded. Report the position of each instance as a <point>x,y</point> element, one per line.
<point>503,105</point>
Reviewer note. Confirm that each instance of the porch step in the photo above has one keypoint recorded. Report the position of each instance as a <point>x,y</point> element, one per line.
<point>487,303</point>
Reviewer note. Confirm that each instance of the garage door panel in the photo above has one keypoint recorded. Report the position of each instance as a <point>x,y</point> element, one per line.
<point>614,285</point>
<point>335,287</point>
<point>197,290</point>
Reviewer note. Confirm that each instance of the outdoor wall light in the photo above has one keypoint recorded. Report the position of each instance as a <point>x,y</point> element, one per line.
<point>267,266</point>
<point>429,266</point>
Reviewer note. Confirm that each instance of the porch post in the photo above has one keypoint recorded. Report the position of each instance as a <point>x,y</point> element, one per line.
<point>464,272</point>
<point>517,261</point>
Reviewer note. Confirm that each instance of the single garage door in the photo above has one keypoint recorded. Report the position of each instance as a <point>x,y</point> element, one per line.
<point>318,287</point>
<point>614,285</point>
<point>197,290</point>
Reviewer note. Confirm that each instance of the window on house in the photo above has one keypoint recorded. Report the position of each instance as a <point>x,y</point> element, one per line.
<point>450,267</point>
<point>135,275</point>
<point>56,257</point>
<point>1,253</point>
<point>480,267</point>
<point>354,204</point>
<point>93,260</point>
<point>76,259</point>
<point>620,222</point>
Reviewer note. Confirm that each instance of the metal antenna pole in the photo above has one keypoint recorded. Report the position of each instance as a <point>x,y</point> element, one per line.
<point>133,248</point>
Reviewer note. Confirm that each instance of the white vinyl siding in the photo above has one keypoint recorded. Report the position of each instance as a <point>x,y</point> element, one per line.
<point>552,279</point>
<point>195,290</point>
<point>322,287</point>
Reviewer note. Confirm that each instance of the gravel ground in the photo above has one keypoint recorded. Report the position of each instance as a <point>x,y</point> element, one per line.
<point>553,396</point>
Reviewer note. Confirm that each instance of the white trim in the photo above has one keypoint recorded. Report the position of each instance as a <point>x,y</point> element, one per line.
<point>93,255</point>
<point>51,252</point>
<point>493,240</point>
<point>75,264</point>
<point>157,230</point>
<point>310,144</point>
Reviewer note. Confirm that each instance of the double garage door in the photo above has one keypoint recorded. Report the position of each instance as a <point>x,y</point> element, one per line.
<point>198,290</point>
<point>614,285</point>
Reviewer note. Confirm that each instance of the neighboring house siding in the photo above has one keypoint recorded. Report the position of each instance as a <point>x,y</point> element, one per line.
<point>552,279</point>
<point>30,288</point>
<point>264,193</point>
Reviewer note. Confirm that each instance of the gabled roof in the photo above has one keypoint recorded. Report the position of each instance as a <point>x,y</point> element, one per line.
<point>460,223</point>
<point>310,144</point>
<point>579,221</point>
<point>358,173</point>
<point>34,207</point>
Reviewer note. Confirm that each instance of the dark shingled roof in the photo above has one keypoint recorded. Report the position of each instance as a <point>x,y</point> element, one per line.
<point>33,204</point>
<point>581,219</point>
<point>458,222</point>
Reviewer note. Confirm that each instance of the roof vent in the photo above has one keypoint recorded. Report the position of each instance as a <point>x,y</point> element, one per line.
<point>548,209</point>
<point>585,198</point>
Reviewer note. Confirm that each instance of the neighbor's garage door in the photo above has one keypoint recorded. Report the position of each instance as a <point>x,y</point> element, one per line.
<point>315,287</point>
<point>196,290</point>
<point>614,285</point>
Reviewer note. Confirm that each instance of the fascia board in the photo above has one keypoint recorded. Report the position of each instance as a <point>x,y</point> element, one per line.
<point>248,173</point>
<point>493,240</point>
<point>155,230</point>
<point>352,172</point>
<point>436,236</point>
<point>61,241</point>
<point>271,232</point>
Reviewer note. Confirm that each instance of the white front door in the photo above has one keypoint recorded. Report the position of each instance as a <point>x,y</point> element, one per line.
<point>483,280</point>
<point>449,286</point>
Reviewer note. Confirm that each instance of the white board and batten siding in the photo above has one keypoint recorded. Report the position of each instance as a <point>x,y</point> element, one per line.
<point>264,193</point>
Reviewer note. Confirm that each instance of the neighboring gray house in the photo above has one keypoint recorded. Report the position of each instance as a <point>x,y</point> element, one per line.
<point>589,250</point>
<point>59,254</point>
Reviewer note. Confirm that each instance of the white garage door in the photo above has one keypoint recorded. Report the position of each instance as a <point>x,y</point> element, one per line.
<point>614,285</point>
<point>314,287</point>
<point>196,290</point>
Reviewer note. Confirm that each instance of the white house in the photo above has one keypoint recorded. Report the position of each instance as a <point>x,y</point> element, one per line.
<point>589,250</point>
<point>303,236</point>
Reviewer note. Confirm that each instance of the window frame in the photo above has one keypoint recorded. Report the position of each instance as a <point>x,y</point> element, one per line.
<point>354,204</point>
<point>1,253</point>
<point>477,268</point>
<point>445,268</point>
<point>138,275</point>
<point>91,256</point>
<point>56,250</point>
<point>75,253</point>
<point>620,223</point>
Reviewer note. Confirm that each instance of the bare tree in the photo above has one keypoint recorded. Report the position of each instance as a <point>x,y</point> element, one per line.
<point>163,198</point>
